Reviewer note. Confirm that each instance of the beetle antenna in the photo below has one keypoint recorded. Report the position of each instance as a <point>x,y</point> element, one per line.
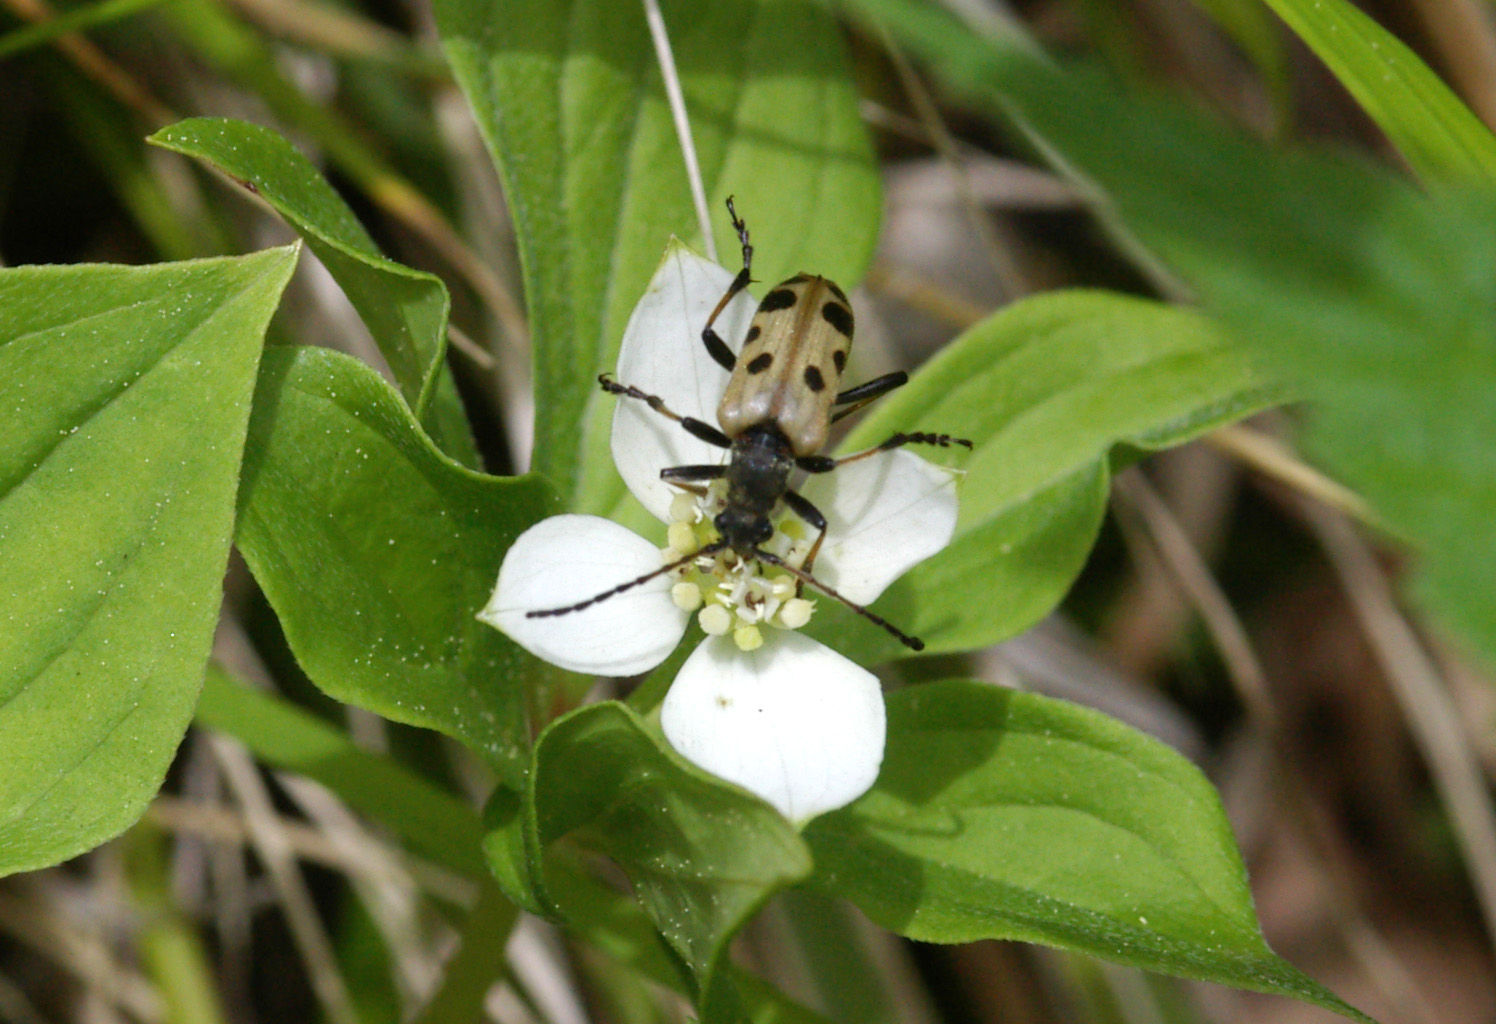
<point>912,642</point>
<point>710,549</point>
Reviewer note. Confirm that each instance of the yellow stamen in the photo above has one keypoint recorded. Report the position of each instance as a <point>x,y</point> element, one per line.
<point>796,612</point>
<point>687,596</point>
<point>748,638</point>
<point>682,538</point>
<point>715,620</point>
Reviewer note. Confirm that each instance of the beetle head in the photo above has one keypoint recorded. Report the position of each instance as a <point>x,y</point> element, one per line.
<point>743,530</point>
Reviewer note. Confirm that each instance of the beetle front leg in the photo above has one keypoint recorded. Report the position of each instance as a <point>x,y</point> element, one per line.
<point>814,519</point>
<point>681,476</point>
<point>696,428</point>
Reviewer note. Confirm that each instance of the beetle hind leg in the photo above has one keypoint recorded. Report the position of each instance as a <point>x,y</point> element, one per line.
<point>914,643</point>
<point>899,440</point>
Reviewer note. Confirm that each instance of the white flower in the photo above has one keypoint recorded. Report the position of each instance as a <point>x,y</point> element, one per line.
<point>757,703</point>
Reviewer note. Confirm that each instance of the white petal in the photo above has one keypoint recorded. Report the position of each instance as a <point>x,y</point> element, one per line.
<point>793,722</point>
<point>566,559</point>
<point>663,355</point>
<point>884,515</point>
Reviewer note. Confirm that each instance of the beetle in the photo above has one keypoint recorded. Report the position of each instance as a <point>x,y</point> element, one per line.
<point>779,404</point>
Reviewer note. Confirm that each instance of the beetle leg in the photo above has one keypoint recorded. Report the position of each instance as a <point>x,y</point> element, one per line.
<point>742,229</point>
<point>862,394</point>
<point>815,463</point>
<point>805,510</point>
<point>914,643</point>
<point>545,613</point>
<point>679,474</point>
<point>715,346</point>
<point>696,428</point>
<point>898,441</point>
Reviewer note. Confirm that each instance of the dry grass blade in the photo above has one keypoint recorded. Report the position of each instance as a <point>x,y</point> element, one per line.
<point>34,922</point>
<point>1010,277</point>
<point>1462,32</point>
<point>275,850</point>
<point>925,296</point>
<point>1189,570</point>
<point>661,39</point>
<point>386,889</point>
<point>1270,457</point>
<point>1172,545</point>
<point>224,826</point>
<point>1424,699</point>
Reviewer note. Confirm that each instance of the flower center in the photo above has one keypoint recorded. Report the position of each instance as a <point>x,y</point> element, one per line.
<point>730,594</point>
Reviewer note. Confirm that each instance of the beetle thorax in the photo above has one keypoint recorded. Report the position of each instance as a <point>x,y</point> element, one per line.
<point>758,473</point>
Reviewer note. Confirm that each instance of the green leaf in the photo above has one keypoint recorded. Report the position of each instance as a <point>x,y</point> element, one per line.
<point>1376,298</point>
<point>702,856</point>
<point>440,826</point>
<point>612,922</point>
<point>1005,815</point>
<point>569,99</point>
<point>1045,389</point>
<point>376,552</point>
<point>1434,131</point>
<point>126,393</point>
<point>404,309</point>
<point>1392,337</point>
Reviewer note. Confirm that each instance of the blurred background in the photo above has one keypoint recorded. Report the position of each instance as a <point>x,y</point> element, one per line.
<point>1232,607</point>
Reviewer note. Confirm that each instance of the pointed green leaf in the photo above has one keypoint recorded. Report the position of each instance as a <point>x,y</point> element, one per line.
<point>569,99</point>
<point>125,393</point>
<point>376,552</point>
<point>1045,389</point>
<point>404,309</point>
<point>702,855</point>
<point>440,826</point>
<point>1005,815</point>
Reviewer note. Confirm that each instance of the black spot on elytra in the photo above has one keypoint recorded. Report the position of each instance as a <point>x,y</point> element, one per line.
<point>839,357</point>
<point>837,292</point>
<point>753,333</point>
<point>813,379</point>
<point>838,316</point>
<point>761,362</point>
<point>779,298</point>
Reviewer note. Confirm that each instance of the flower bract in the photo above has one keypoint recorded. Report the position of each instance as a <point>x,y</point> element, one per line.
<point>757,703</point>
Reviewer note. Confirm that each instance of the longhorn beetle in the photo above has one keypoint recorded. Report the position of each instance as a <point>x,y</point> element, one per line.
<point>778,407</point>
